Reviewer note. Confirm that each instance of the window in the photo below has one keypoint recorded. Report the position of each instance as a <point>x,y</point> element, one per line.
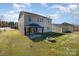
<point>42,19</point>
<point>39,19</point>
<point>48,21</point>
<point>29,18</point>
<point>48,28</point>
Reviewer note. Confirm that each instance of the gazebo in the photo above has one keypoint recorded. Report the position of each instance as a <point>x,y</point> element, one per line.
<point>33,29</point>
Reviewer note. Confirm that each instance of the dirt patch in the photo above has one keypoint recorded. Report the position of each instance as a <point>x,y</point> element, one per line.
<point>52,41</point>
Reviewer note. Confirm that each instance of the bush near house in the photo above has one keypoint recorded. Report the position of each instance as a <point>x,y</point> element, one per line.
<point>68,32</point>
<point>47,34</point>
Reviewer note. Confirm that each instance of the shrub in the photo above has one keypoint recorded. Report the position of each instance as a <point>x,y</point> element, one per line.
<point>68,32</point>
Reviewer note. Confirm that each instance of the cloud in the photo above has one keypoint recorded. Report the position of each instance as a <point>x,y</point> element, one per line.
<point>19,7</point>
<point>60,8</point>
<point>66,9</point>
<point>13,14</point>
<point>74,9</point>
<point>44,4</point>
<point>27,4</point>
<point>73,6</point>
<point>54,16</point>
<point>76,14</point>
<point>9,17</point>
<point>22,7</point>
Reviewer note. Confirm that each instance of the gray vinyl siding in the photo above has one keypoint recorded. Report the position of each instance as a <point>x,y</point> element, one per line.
<point>43,23</point>
<point>21,24</point>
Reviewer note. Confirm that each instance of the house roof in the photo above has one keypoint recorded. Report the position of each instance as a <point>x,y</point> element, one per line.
<point>63,24</point>
<point>67,24</point>
<point>21,13</point>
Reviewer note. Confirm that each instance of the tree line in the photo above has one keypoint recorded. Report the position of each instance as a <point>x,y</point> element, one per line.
<point>9,24</point>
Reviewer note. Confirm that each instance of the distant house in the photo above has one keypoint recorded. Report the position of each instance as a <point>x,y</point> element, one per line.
<point>76,27</point>
<point>30,23</point>
<point>64,27</point>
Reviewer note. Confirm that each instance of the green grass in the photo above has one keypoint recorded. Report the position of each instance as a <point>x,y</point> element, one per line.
<point>12,42</point>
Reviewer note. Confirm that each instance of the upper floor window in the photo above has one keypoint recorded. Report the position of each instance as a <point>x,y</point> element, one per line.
<point>40,19</point>
<point>29,18</point>
<point>48,28</point>
<point>48,21</point>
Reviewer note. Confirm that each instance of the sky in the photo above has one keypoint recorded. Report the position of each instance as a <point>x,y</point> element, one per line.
<point>58,12</point>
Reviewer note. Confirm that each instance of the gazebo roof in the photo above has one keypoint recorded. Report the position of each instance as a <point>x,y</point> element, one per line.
<point>34,25</point>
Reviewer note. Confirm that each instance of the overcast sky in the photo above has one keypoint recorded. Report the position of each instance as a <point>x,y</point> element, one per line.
<point>59,12</point>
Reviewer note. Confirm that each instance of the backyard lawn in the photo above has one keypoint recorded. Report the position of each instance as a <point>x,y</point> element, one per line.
<point>12,42</point>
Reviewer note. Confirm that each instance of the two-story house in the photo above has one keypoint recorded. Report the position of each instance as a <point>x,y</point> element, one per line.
<point>30,23</point>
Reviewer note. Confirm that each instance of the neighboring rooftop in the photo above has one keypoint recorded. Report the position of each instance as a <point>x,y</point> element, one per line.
<point>67,24</point>
<point>63,24</point>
